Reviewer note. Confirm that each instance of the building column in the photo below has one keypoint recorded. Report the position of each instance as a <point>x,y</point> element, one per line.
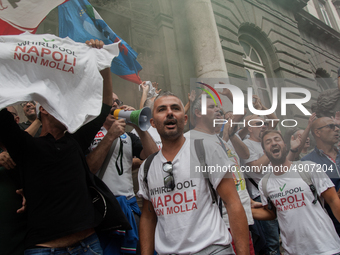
<point>206,47</point>
<point>169,52</point>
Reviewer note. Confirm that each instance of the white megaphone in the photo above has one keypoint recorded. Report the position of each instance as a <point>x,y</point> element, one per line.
<point>140,118</point>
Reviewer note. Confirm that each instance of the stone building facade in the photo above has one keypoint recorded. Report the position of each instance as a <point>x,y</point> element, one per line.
<point>255,43</point>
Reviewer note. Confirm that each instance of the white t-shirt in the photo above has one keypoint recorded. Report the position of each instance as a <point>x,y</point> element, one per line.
<point>154,134</point>
<point>119,184</point>
<point>240,184</point>
<point>62,75</point>
<point>256,152</point>
<point>188,221</point>
<point>238,177</point>
<point>305,227</point>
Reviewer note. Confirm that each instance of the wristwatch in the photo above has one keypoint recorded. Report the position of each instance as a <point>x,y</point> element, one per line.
<point>294,151</point>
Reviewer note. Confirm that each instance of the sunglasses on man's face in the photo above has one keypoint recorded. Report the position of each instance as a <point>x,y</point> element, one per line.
<point>331,126</point>
<point>27,102</point>
<point>262,123</point>
<point>118,102</point>
<point>169,181</point>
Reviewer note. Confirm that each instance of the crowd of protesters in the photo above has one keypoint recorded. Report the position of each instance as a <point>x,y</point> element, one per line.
<point>46,206</point>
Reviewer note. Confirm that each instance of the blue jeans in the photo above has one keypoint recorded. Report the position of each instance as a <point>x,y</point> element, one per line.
<point>271,231</point>
<point>88,246</point>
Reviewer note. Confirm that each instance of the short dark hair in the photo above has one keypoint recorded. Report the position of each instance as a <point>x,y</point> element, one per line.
<point>268,132</point>
<point>165,94</point>
<point>197,104</point>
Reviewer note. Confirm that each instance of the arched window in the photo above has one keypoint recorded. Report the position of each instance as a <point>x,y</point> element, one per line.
<point>324,80</point>
<point>256,73</point>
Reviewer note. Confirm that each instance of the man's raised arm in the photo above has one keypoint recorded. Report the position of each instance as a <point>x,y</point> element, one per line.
<point>85,134</point>
<point>106,74</point>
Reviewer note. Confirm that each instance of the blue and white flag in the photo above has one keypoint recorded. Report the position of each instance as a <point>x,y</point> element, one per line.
<point>80,21</point>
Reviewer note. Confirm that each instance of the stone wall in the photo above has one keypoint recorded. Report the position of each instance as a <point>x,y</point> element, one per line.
<point>173,45</point>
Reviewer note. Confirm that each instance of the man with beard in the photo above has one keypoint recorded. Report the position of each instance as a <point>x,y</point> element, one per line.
<point>30,112</point>
<point>326,134</point>
<point>179,216</point>
<point>305,227</point>
<point>257,159</point>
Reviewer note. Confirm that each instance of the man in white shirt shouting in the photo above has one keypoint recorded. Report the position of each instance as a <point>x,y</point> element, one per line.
<point>179,216</point>
<point>296,190</point>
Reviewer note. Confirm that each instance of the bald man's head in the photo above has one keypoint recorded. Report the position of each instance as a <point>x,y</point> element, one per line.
<point>325,131</point>
<point>114,96</point>
<point>319,123</point>
<point>116,103</point>
<point>14,112</point>
<point>12,109</point>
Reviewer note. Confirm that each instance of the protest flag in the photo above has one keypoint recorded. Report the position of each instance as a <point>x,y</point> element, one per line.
<point>80,21</point>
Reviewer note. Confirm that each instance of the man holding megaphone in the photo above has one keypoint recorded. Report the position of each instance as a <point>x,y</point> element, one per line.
<point>111,156</point>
